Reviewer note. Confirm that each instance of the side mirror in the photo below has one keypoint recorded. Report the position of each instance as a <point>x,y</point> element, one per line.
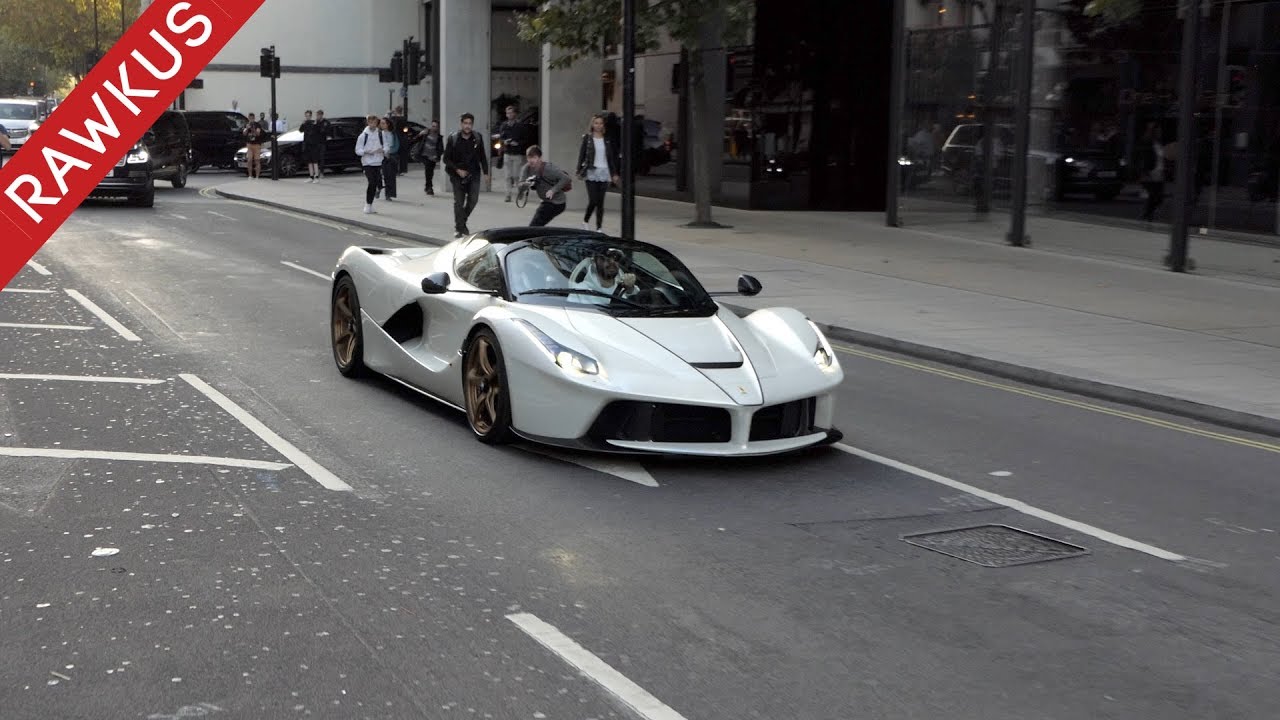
<point>435,283</point>
<point>149,137</point>
<point>748,285</point>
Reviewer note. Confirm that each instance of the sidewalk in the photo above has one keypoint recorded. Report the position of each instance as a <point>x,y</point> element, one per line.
<point>1204,345</point>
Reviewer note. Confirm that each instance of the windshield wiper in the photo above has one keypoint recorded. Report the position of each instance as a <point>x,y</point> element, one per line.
<point>565,292</point>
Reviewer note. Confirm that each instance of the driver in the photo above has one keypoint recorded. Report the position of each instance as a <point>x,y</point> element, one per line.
<point>602,275</point>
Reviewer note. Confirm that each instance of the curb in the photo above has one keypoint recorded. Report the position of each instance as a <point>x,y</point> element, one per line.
<point>1224,417</point>
<point>364,225</point>
<point>1234,419</point>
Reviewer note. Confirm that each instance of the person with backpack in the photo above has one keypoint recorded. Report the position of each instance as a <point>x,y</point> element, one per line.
<point>547,182</point>
<point>466,162</point>
<point>597,164</point>
<point>427,148</point>
<point>372,146</point>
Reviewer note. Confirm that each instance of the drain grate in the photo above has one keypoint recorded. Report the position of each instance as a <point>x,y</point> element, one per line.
<point>995,545</point>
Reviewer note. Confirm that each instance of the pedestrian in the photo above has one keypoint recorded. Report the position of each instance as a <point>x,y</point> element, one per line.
<point>314,133</point>
<point>278,125</point>
<point>1150,157</point>
<point>429,146</point>
<point>598,166</point>
<point>372,147</point>
<point>515,139</point>
<point>465,158</point>
<point>547,182</point>
<point>400,125</point>
<point>235,106</point>
<point>391,166</point>
<point>253,143</point>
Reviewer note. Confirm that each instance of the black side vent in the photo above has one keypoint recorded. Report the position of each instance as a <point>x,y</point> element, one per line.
<point>787,420</point>
<point>376,251</point>
<point>406,324</point>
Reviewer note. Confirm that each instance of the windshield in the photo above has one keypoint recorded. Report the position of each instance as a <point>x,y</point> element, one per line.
<point>17,111</point>
<point>594,273</point>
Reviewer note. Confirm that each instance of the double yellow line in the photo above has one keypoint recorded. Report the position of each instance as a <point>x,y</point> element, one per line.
<point>1136,417</point>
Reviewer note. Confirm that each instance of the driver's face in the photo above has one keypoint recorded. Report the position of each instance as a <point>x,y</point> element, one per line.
<point>606,266</point>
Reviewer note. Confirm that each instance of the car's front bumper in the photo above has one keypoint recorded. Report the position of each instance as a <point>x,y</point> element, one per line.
<point>126,180</point>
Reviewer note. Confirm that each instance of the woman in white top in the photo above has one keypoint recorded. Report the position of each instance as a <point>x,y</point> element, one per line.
<point>372,146</point>
<point>598,165</point>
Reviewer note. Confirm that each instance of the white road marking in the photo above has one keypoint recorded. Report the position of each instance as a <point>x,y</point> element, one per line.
<point>65,454</point>
<point>40,326</point>
<point>631,694</point>
<point>111,322</point>
<point>225,217</point>
<point>180,217</point>
<point>282,446</point>
<point>20,290</point>
<point>1011,503</point>
<point>82,378</point>
<point>38,267</point>
<point>307,270</point>
<point>625,469</point>
<point>1000,473</point>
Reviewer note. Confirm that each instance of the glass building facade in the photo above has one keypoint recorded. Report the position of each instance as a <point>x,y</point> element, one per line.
<point>1104,123</point>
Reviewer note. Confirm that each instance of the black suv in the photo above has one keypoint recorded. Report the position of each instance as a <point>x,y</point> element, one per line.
<point>163,153</point>
<point>215,137</point>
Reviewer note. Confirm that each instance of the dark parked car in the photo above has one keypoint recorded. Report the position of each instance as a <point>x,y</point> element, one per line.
<point>339,150</point>
<point>1074,170</point>
<point>163,153</point>
<point>215,137</point>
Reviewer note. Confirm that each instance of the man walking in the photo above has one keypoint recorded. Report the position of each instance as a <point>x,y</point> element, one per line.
<point>515,139</point>
<point>314,133</point>
<point>430,146</point>
<point>372,146</point>
<point>466,160</point>
<point>547,182</point>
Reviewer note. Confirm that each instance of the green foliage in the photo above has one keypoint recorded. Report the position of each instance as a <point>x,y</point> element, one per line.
<point>56,34</point>
<point>592,28</point>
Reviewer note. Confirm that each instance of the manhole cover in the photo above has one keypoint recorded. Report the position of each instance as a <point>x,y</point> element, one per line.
<point>995,545</point>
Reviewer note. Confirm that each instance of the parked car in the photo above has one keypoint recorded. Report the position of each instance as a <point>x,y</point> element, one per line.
<point>215,137</point>
<point>1071,170</point>
<point>163,153</point>
<point>339,151</point>
<point>20,117</point>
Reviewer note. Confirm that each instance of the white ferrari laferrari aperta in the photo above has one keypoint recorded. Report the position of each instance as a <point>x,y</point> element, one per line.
<point>578,339</point>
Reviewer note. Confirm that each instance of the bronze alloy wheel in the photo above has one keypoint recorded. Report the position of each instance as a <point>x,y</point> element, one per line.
<point>484,389</point>
<point>348,348</point>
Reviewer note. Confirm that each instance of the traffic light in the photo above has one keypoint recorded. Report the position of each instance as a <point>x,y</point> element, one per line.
<point>397,67</point>
<point>269,63</point>
<point>417,70</point>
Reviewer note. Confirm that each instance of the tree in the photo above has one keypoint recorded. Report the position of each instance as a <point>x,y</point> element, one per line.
<point>58,33</point>
<point>591,28</point>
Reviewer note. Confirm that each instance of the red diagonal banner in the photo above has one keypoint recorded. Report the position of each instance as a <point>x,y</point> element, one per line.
<point>107,113</point>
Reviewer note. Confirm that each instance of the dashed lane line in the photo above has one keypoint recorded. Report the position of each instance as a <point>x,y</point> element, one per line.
<point>304,462</point>
<point>24,290</point>
<point>632,695</point>
<point>82,378</point>
<point>42,326</point>
<point>102,315</point>
<point>307,270</point>
<point>67,454</point>
<point>1013,504</point>
<point>38,267</point>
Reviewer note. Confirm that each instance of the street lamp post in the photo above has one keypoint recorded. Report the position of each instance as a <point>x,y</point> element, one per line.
<point>97,48</point>
<point>628,118</point>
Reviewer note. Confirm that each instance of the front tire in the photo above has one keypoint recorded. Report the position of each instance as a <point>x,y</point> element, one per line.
<point>484,389</point>
<point>180,180</point>
<point>147,198</point>
<point>345,329</point>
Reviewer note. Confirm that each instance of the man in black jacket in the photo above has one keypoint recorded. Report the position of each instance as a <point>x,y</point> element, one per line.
<point>466,162</point>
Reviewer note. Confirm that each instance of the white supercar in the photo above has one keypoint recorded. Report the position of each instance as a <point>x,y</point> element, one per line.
<point>578,339</point>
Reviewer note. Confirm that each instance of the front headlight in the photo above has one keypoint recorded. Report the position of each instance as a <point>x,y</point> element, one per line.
<point>138,155</point>
<point>823,356</point>
<point>566,358</point>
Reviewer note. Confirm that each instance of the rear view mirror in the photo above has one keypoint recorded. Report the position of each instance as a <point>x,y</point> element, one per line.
<point>435,283</point>
<point>748,285</point>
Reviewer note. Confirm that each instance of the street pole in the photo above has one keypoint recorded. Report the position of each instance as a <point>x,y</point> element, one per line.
<point>121,18</point>
<point>1177,258</point>
<point>1022,128</point>
<point>97,48</point>
<point>275,148</point>
<point>629,119</point>
<point>897,98</point>
<point>1218,102</point>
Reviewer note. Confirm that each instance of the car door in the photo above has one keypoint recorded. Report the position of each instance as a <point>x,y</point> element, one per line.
<point>448,316</point>
<point>162,146</point>
<point>340,146</point>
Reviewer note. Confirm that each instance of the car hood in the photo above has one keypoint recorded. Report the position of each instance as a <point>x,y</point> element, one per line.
<point>660,354</point>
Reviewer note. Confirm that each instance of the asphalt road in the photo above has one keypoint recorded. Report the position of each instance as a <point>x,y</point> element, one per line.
<point>439,584</point>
